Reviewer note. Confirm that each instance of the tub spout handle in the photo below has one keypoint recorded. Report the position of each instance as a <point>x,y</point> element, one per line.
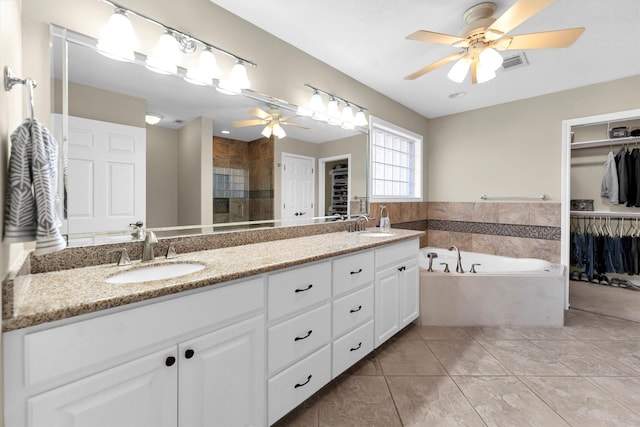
<point>431,256</point>
<point>473,268</point>
<point>446,267</point>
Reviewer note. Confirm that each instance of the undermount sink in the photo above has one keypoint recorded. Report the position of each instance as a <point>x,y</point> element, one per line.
<point>375,234</point>
<point>155,272</point>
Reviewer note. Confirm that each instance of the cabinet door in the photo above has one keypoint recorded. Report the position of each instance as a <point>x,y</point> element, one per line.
<point>409,292</point>
<point>222,377</point>
<point>137,393</point>
<point>387,316</point>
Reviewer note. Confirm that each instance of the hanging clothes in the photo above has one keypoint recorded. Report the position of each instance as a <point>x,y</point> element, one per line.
<point>609,187</point>
<point>621,168</point>
<point>632,184</point>
<point>30,204</point>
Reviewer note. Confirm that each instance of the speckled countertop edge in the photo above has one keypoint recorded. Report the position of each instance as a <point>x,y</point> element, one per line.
<point>47,297</point>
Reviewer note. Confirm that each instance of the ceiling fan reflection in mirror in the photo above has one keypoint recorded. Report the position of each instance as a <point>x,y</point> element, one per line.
<point>274,122</point>
<point>483,36</point>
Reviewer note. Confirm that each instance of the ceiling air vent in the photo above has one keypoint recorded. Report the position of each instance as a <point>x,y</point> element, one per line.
<point>515,61</point>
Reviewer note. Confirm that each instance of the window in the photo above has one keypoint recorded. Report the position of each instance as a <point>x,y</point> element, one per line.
<point>396,163</point>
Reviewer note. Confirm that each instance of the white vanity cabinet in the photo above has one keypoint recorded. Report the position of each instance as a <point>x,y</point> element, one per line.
<point>396,288</point>
<point>192,360</point>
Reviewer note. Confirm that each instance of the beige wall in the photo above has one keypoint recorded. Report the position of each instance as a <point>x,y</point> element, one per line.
<point>162,177</point>
<point>514,148</point>
<point>357,146</point>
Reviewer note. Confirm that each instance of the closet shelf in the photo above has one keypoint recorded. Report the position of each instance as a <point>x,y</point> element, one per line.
<point>605,214</point>
<point>605,142</point>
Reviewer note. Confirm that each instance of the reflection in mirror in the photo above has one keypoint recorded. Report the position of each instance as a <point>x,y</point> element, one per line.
<point>193,167</point>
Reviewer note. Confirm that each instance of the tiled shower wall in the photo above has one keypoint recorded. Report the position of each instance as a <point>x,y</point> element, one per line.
<point>523,230</point>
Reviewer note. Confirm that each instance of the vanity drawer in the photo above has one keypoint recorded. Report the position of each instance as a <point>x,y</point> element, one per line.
<point>352,310</point>
<point>352,271</point>
<point>294,385</point>
<point>352,347</point>
<point>295,289</point>
<point>390,254</point>
<point>298,337</point>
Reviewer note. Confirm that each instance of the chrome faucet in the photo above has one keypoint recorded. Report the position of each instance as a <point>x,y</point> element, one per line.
<point>361,222</point>
<point>459,264</point>
<point>147,248</point>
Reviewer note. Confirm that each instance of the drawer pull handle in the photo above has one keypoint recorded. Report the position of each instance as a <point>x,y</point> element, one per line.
<point>189,353</point>
<point>305,289</point>
<point>355,310</point>
<point>403,268</point>
<point>357,272</point>
<point>357,348</point>
<point>304,337</point>
<point>170,361</point>
<point>304,383</point>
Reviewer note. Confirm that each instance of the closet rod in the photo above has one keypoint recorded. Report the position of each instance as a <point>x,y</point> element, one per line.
<point>604,214</point>
<point>605,142</point>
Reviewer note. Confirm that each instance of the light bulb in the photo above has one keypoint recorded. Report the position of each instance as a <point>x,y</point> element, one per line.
<point>239,76</point>
<point>266,132</point>
<point>165,56</point>
<point>347,114</point>
<point>278,131</point>
<point>205,71</point>
<point>332,108</point>
<point>117,38</point>
<point>152,118</point>
<point>315,103</point>
<point>360,119</point>
<point>459,70</point>
<point>490,58</point>
<point>484,74</point>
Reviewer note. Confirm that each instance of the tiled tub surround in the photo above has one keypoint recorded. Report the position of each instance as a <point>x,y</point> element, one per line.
<point>45,297</point>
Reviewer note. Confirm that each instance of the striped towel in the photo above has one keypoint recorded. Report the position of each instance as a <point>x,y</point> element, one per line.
<point>30,204</point>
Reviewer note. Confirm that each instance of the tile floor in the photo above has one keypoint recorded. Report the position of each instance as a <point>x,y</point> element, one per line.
<point>585,374</point>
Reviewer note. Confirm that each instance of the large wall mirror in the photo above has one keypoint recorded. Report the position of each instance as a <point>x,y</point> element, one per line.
<point>194,170</point>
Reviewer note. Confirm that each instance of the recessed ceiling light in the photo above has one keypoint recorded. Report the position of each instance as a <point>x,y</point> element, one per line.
<point>226,132</point>
<point>457,95</point>
<point>152,118</point>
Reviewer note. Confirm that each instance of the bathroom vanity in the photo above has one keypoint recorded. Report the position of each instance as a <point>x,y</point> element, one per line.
<point>241,342</point>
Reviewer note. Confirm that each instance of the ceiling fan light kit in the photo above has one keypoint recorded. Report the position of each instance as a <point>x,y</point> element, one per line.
<point>484,35</point>
<point>118,41</point>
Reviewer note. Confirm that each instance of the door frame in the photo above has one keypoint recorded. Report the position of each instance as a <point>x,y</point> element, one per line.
<point>322,163</point>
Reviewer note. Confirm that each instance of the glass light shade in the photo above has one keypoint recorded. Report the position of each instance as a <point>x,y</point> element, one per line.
<point>491,59</point>
<point>278,131</point>
<point>459,70</point>
<point>266,132</point>
<point>239,76</point>
<point>228,87</point>
<point>360,119</point>
<point>484,74</point>
<point>117,38</point>
<point>165,56</point>
<point>347,114</point>
<point>152,118</point>
<point>205,71</point>
<point>332,108</point>
<point>315,103</point>
<point>348,125</point>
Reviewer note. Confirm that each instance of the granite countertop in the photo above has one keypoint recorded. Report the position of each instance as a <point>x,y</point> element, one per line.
<point>46,297</point>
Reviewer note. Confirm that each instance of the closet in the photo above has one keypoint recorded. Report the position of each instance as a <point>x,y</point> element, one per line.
<point>601,226</point>
<point>339,190</point>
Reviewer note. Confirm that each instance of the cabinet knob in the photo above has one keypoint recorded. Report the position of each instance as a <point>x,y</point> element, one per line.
<point>189,353</point>
<point>170,361</point>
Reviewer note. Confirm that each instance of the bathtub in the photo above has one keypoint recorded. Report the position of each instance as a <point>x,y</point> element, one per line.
<point>504,291</point>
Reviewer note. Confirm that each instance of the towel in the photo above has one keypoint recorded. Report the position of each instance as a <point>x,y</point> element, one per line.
<point>30,204</point>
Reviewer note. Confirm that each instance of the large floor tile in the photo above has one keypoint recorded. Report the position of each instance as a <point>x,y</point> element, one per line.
<point>523,358</point>
<point>505,401</point>
<point>409,358</point>
<point>627,352</point>
<point>369,365</point>
<point>589,326</point>
<point>543,332</point>
<point>582,403</point>
<point>443,333</point>
<point>585,359</point>
<point>409,333</point>
<point>431,401</point>
<point>466,357</point>
<point>625,390</point>
<point>494,333</point>
<point>358,401</point>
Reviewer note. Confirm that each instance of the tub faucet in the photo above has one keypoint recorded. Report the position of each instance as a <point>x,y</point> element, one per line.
<point>459,268</point>
<point>147,248</point>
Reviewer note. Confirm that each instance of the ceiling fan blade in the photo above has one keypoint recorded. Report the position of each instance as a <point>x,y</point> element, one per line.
<point>430,36</point>
<point>474,72</point>
<point>255,122</point>
<point>435,65</point>
<point>514,16</point>
<point>293,125</point>
<point>260,113</point>
<point>548,39</point>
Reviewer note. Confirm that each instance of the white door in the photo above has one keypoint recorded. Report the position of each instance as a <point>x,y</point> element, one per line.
<point>106,174</point>
<point>298,187</point>
<point>387,316</point>
<point>409,293</point>
<point>222,377</point>
<point>138,393</point>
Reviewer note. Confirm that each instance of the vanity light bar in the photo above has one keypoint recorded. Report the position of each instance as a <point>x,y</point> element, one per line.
<point>184,37</point>
<point>337,98</point>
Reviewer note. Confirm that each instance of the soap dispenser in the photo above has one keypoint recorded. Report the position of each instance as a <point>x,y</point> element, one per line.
<point>385,222</point>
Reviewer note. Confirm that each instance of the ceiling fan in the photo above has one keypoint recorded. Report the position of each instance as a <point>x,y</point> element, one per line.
<point>484,35</point>
<point>273,121</point>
